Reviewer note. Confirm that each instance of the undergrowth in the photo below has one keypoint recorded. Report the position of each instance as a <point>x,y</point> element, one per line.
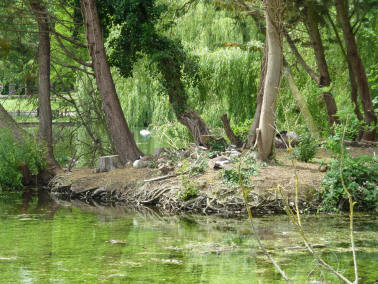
<point>13,156</point>
<point>361,177</point>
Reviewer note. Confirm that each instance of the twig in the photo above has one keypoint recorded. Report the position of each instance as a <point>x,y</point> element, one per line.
<point>351,205</point>
<point>250,217</point>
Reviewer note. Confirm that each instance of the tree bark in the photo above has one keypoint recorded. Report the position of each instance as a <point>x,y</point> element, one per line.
<point>324,78</point>
<point>260,93</point>
<point>230,134</point>
<point>45,115</point>
<point>354,58</point>
<point>122,137</point>
<point>272,80</point>
<point>301,102</point>
<point>353,83</point>
<point>177,98</point>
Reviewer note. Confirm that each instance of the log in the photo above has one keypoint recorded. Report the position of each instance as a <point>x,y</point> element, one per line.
<point>108,163</point>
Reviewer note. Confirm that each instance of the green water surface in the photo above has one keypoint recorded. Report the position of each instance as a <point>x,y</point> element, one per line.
<point>44,241</point>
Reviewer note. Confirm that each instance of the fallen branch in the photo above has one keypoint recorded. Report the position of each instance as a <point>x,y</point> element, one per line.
<point>161,178</point>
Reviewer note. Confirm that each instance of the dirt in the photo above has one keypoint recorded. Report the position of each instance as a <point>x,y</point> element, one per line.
<point>212,194</point>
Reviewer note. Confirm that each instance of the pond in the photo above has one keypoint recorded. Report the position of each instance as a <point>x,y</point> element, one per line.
<point>47,241</point>
<point>148,143</point>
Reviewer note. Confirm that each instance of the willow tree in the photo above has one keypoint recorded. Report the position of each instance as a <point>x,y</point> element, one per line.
<point>266,130</point>
<point>121,135</point>
<point>138,35</point>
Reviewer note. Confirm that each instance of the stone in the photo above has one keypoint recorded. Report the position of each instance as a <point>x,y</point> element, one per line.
<point>219,162</point>
<point>140,164</point>
<point>194,155</point>
<point>108,163</point>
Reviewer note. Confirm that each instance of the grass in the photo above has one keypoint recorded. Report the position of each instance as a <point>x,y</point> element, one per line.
<point>23,104</point>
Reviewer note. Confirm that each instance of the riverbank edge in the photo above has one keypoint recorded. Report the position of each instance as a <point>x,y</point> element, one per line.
<point>206,192</point>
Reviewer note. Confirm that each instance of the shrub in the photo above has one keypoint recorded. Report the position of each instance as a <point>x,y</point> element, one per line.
<point>191,189</point>
<point>360,176</point>
<point>14,155</point>
<point>306,149</point>
<point>232,175</point>
<point>241,130</point>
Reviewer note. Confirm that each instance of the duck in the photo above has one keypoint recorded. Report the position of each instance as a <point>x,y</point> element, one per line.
<point>145,132</point>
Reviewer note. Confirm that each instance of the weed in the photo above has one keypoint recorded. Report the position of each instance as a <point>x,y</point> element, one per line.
<point>306,149</point>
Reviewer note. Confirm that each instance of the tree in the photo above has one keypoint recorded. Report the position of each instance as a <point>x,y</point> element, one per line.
<point>121,135</point>
<point>138,35</point>
<point>266,130</point>
<point>357,66</point>
<point>45,115</point>
<point>324,79</point>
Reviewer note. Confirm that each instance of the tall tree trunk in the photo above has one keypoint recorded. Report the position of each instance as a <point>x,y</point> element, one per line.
<point>324,78</point>
<point>352,78</point>
<point>266,129</point>
<point>354,58</point>
<point>45,115</point>
<point>122,137</point>
<point>260,93</point>
<point>18,133</point>
<point>177,98</point>
<point>301,102</point>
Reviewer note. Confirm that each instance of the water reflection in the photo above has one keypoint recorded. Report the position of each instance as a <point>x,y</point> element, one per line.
<point>147,144</point>
<point>43,240</point>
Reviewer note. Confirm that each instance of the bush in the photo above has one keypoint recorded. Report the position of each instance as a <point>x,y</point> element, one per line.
<point>13,156</point>
<point>360,176</point>
<point>241,130</point>
<point>306,149</point>
<point>191,189</point>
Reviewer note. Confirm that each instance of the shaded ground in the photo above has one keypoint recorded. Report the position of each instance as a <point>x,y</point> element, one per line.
<point>188,189</point>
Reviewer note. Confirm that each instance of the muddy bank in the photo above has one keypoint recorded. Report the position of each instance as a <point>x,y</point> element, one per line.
<point>192,181</point>
<point>195,183</point>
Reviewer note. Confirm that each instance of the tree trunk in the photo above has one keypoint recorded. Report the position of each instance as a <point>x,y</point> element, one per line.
<point>354,99</point>
<point>324,78</point>
<point>354,58</point>
<point>122,137</point>
<point>260,93</point>
<point>18,133</point>
<point>177,98</point>
<point>45,114</point>
<point>230,134</point>
<point>272,80</point>
<point>301,102</point>
<point>353,83</point>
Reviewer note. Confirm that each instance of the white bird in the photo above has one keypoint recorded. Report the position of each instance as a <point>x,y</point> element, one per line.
<point>144,132</point>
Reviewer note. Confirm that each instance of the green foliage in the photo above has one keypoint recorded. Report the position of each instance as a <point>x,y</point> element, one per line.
<point>333,143</point>
<point>232,175</point>
<point>218,145</point>
<point>191,189</point>
<point>13,156</point>
<point>173,134</point>
<point>305,151</point>
<point>361,179</point>
<point>241,130</point>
